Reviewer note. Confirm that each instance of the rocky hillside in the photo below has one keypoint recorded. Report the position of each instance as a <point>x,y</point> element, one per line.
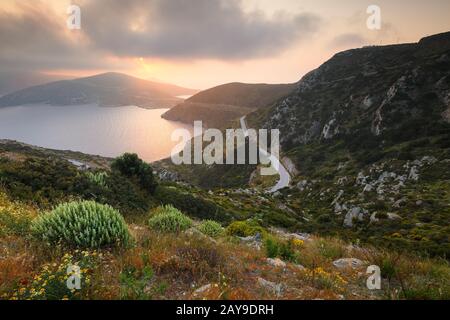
<point>369,133</point>
<point>109,89</point>
<point>370,98</point>
<point>218,106</point>
<point>367,139</point>
<point>219,244</point>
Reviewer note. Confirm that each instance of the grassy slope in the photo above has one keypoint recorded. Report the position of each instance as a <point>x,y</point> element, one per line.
<point>165,266</point>
<point>182,263</point>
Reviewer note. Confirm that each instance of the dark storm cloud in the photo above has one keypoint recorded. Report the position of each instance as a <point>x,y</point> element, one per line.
<point>192,28</point>
<point>186,29</point>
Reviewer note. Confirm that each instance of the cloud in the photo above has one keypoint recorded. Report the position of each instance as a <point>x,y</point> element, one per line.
<point>192,28</point>
<point>35,37</point>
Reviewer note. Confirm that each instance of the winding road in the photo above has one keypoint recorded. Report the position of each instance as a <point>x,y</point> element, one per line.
<point>285,177</point>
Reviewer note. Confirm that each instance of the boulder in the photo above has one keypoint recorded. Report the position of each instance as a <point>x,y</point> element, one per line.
<point>202,290</point>
<point>393,216</point>
<point>348,263</point>
<point>277,263</point>
<point>276,288</point>
<point>354,213</point>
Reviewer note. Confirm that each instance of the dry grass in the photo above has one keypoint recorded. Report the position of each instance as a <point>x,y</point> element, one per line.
<point>182,263</point>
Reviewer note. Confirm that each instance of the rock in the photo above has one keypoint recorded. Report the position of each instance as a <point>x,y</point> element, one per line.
<point>288,236</point>
<point>368,188</point>
<point>195,232</point>
<point>367,102</point>
<point>202,290</point>
<point>373,218</point>
<point>429,160</point>
<point>342,180</point>
<point>253,241</point>
<point>419,203</point>
<point>277,263</point>
<point>338,196</point>
<point>301,236</point>
<point>330,129</point>
<point>354,213</point>
<point>277,194</point>
<point>80,165</point>
<point>393,216</point>
<point>348,263</point>
<point>399,203</point>
<point>271,286</point>
<point>256,238</point>
<point>361,179</point>
<point>299,267</point>
<point>302,185</point>
<point>414,174</point>
<point>165,175</point>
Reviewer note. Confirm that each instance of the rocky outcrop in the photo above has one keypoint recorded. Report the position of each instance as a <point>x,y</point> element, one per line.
<point>377,91</point>
<point>348,263</point>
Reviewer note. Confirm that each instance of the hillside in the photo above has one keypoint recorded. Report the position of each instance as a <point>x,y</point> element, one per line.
<point>367,136</point>
<point>109,89</point>
<point>241,256</point>
<point>218,106</point>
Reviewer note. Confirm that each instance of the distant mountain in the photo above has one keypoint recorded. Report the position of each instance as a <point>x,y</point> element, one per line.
<point>219,105</point>
<point>108,89</point>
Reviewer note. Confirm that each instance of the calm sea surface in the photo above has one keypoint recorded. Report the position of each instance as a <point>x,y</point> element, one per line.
<point>91,129</point>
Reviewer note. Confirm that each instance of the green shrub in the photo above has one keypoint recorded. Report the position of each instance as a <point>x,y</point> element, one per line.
<point>131,166</point>
<point>97,178</point>
<point>211,228</point>
<point>169,219</point>
<point>245,228</point>
<point>280,249</point>
<point>134,282</point>
<point>84,224</point>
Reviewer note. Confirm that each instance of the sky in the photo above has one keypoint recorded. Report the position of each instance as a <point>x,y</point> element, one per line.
<point>203,43</point>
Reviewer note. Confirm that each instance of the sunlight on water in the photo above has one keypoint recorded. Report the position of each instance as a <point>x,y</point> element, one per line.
<point>92,129</point>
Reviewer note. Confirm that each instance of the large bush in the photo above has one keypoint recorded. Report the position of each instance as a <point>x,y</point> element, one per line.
<point>97,178</point>
<point>245,229</point>
<point>211,228</point>
<point>84,224</point>
<point>169,219</point>
<point>132,167</point>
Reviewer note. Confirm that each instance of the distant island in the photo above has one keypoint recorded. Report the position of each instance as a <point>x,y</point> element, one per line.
<point>107,90</point>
